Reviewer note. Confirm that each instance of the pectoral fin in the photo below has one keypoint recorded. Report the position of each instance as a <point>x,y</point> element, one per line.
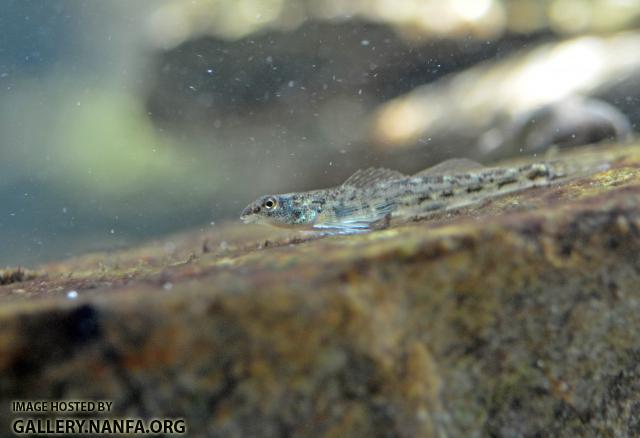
<point>358,219</point>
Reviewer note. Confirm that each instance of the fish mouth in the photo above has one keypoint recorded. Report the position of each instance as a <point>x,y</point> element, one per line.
<point>261,220</point>
<point>249,218</point>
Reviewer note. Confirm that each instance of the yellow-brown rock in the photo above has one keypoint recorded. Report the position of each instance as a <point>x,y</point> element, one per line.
<point>518,317</point>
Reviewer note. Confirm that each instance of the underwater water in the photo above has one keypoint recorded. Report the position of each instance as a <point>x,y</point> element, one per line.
<point>123,121</point>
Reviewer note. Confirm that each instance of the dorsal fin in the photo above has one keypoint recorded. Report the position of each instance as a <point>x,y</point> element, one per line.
<point>368,177</point>
<point>452,166</point>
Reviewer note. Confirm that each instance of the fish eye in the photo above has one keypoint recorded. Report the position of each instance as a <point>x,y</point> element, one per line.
<point>270,203</point>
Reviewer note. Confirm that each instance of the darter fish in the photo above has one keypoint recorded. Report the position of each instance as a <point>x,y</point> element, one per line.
<point>370,198</point>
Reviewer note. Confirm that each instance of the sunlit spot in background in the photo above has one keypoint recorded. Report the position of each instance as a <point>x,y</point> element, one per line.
<point>253,13</point>
<point>545,75</point>
<point>402,121</point>
<point>174,21</point>
<point>570,15</point>
<point>527,16</point>
<point>472,10</point>
<point>168,26</point>
<point>565,70</point>
<point>400,11</point>
<point>458,17</point>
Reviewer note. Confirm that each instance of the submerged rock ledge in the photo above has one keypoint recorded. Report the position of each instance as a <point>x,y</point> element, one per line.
<point>517,317</point>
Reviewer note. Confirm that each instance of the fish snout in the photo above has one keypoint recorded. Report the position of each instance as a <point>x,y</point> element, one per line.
<point>248,214</point>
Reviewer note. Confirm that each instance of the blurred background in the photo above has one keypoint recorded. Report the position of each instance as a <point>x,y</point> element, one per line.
<point>125,120</point>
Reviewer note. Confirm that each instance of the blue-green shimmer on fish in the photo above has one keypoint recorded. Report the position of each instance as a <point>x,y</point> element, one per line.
<point>370,198</point>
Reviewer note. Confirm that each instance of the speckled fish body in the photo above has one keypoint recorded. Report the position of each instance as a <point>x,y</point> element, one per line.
<point>370,198</point>
<point>423,194</point>
<point>373,206</point>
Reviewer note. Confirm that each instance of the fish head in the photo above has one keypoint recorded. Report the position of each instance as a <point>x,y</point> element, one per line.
<point>288,210</point>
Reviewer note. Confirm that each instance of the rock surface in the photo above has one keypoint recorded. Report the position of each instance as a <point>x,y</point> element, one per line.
<point>519,317</point>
